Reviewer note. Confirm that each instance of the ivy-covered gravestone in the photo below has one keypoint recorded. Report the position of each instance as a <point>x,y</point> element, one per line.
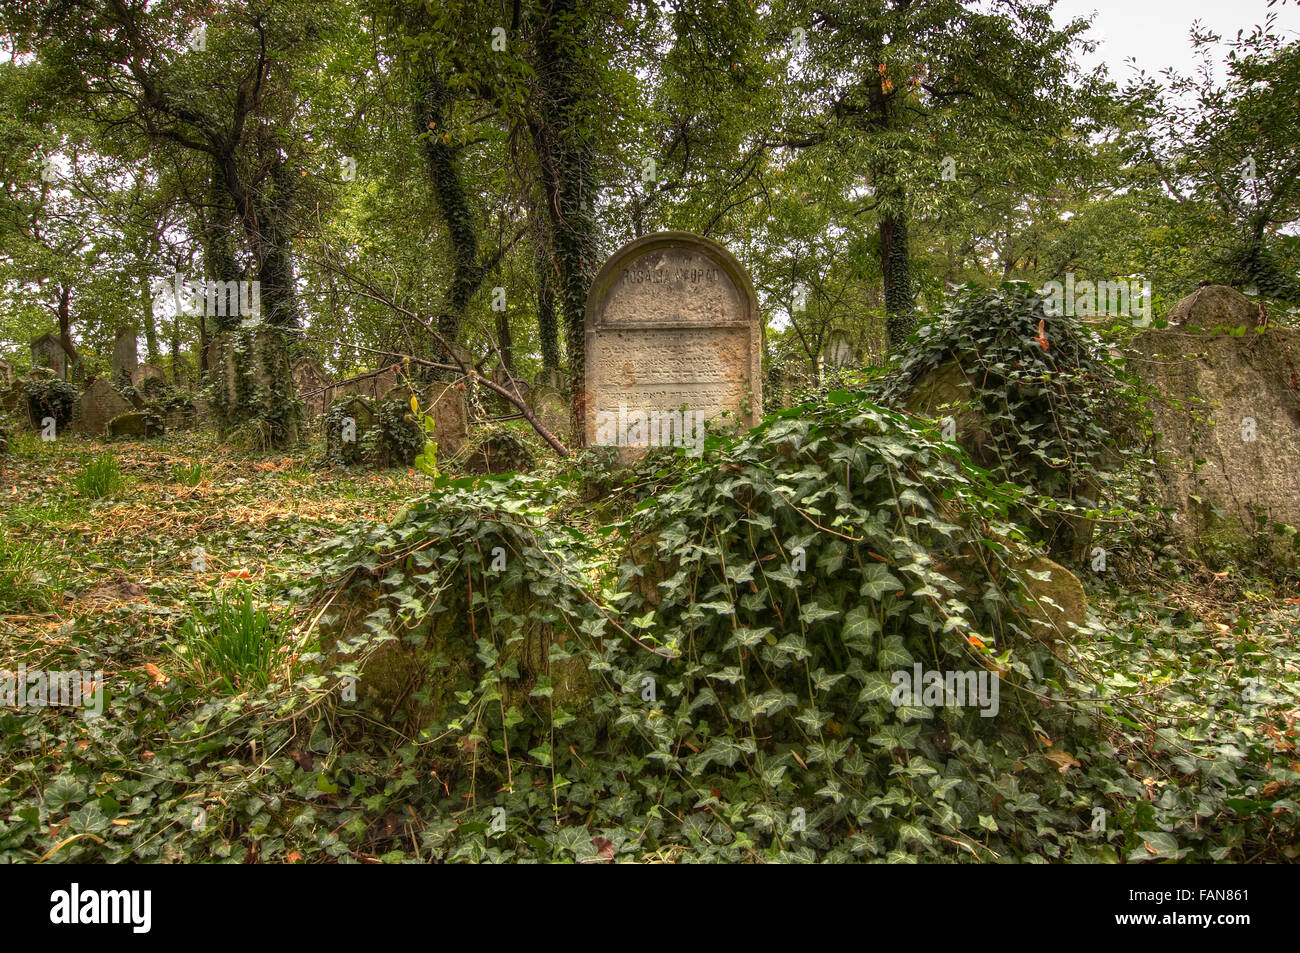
<point>1035,399</point>
<point>349,420</point>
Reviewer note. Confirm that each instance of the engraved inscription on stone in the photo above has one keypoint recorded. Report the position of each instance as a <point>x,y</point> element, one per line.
<point>672,325</point>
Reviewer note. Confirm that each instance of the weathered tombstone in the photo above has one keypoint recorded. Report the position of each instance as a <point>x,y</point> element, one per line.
<point>245,369</point>
<point>220,363</point>
<point>446,404</point>
<point>6,375</point>
<point>98,405</point>
<point>672,340</point>
<point>553,379</point>
<point>552,411</point>
<point>383,382</point>
<point>182,372</point>
<point>349,419</point>
<point>141,424</point>
<point>503,378</point>
<point>1228,423</point>
<point>839,350</point>
<point>48,351</point>
<point>126,358</point>
<point>311,384</point>
<point>144,372</point>
<point>1214,306</point>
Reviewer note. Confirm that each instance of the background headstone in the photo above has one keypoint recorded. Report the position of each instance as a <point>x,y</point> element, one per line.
<point>182,372</point>
<point>144,372</point>
<point>1229,421</point>
<point>1215,306</point>
<point>838,351</point>
<point>6,375</point>
<point>125,354</point>
<point>48,351</point>
<point>446,403</point>
<point>356,407</point>
<point>672,321</point>
<point>552,409</point>
<point>311,384</point>
<point>98,405</point>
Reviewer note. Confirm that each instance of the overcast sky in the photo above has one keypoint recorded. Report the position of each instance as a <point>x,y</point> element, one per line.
<point>1155,32</point>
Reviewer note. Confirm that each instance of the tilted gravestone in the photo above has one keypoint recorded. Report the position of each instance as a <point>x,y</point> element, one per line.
<point>98,405</point>
<point>48,351</point>
<point>126,357</point>
<point>672,325</point>
<point>6,375</point>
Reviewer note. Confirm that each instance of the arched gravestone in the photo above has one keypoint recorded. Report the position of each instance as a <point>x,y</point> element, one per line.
<point>672,324</point>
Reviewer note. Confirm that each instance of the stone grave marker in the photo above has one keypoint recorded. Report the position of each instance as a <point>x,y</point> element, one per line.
<point>446,403</point>
<point>552,410</point>
<point>1229,422</point>
<point>98,405</point>
<point>48,351</point>
<point>354,419</point>
<point>673,339</point>
<point>311,384</point>
<point>838,350</point>
<point>6,375</point>
<point>144,372</point>
<point>126,358</point>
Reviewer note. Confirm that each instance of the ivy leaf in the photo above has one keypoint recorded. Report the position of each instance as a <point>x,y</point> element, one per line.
<point>860,629</point>
<point>877,581</point>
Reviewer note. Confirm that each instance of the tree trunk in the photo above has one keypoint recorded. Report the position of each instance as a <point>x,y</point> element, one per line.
<point>547,329</point>
<point>564,161</point>
<point>147,322</point>
<point>432,107</point>
<point>900,316</point>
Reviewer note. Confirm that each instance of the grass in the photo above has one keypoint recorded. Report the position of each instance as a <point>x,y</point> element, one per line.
<point>233,643</point>
<point>30,580</point>
<point>101,476</point>
<point>188,474</point>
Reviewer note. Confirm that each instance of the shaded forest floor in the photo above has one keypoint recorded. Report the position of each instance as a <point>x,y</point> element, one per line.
<point>107,583</point>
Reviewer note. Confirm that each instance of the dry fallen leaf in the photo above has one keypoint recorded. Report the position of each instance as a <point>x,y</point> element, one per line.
<point>1063,760</point>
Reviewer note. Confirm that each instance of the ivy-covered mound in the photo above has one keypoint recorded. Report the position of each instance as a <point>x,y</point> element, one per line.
<point>378,433</point>
<point>731,693</point>
<point>1035,399</point>
<point>50,396</point>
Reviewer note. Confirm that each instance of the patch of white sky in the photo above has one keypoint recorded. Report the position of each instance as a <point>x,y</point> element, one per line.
<point>1154,35</point>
